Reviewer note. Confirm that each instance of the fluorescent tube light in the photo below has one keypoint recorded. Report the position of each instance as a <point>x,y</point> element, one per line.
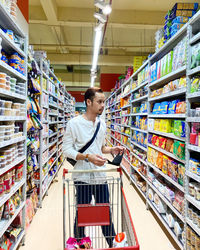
<point>106,8</point>
<point>97,44</point>
<point>102,18</point>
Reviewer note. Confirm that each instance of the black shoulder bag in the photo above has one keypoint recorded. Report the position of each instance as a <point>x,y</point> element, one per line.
<point>73,162</point>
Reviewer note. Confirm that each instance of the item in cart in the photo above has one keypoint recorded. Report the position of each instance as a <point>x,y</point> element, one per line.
<point>120,240</point>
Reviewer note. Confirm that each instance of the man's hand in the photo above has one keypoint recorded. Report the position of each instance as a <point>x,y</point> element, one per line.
<point>117,150</point>
<point>97,160</point>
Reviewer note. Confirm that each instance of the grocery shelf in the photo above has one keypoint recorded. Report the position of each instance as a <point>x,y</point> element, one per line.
<point>140,114</point>
<point>19,239</point>
<point>53,114</point>
<point>13,164</point>
<point>194,39</point>
<point>127,106</point>
<point>9,70</point>
<point>193,176</point>
<point>43,150</point>
<point>45,75</point>
<point>49,158</point>
<point>176,116</point>
<point>193,119</point>
<point>51,123</point>
<point>193,226</point>
<point>177,92</point>
<point>125,115</point>
<point>173,75</point>
<point>60,135</point>
<point>176,184</point>
<point>8,22</point>
<point>13,190</point>
<point>12,118</point>
<point>124,96</point>
<point>166,153</point>
<point>143,177</point>
<point>139,146</point>
<point>123,125</point>
<point>4,224</point>
<point>167,202</point>
<point>164,222</point>
<point>12,141</point>
<point>194,96</point>
<point>139,87</point>
<point>135,184</point>
<point>60,142</point>
<point>45,122</point>
<point>193,201</point>
<point>170,43</point>
<point>45,91</point>
<point>53,163</point>
<point>194,71</point>
<point>125,170</point>
<point>193,148</point>
<point>139,99</point>
<point>11,95</point>
<point>60,154</point>
<point>169,135</point>
<point>140,130</point>
<point>51,94</point>
<point>140,159</point>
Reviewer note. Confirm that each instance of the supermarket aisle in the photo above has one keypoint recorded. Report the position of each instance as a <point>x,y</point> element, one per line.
<point>45,231</point>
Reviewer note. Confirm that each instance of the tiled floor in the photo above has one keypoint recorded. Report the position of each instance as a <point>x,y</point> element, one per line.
<point>46,230</point>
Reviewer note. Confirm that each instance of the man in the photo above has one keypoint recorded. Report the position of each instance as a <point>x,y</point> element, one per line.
<point>79,131</point>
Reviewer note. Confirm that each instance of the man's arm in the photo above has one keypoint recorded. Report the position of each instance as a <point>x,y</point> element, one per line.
<point>114,150</point>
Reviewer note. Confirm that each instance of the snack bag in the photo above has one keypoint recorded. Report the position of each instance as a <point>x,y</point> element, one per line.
<point>181,107</point>
<point>169,145</point>
<point>181,173</point>
<point>179,128</point>
<point>165,164</point>
<point>164,107</point>
<point>72,243</point>
<point>162,142</point>
<point>179,149</point>
<point>172,107</point>
<point>157,124</point>
<point>154,139</point>
<point>120,240</point>
<point>159,162</point>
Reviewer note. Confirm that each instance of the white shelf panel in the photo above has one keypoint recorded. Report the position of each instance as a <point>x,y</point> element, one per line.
<point>139,159</point>
<point>193,201</point>
<point>45,91</point>
<point>11,95</point>
<point>60,142</point>
<point>169,135</point>
<point>51,94</point>
<point>164,222</point>
<point>194,71</point>
<point>193,148</point>
<point>140,86</point>
<point>14,189</point>
<point>194,95</point>
<point>141,114</point>
<point>19,239</point>
<point>139,146</point>
<point>193,226</point>
<point>4,224</point>
<point>127,106</point>
<point>167,202</point>
<point>8,167</point>
<point>125,170</point>
<point>122,125</point>
<point>55,122</point>
<point>52,155</point>
<point>140,99</point>
<point>168,116</point>
<point>45,122</point>
<point>193,176</point>
<point>51,144</point>
<point>10,71</point>
<point>53,105</point>
<point>140,130</point>
<point>195,38</point>
<point>60,135</point>
<point>169,95</point>
<point>166,153</point>
<point>9,23</point>
<point>13,141</point>
<point>12,118</point>
<point>166,177</point>
<point>9,45</point>
<point>53,114</point>
<point>169,77</point>
<point>53,134</point>
<point>193,119</point>
<point>135,184</point>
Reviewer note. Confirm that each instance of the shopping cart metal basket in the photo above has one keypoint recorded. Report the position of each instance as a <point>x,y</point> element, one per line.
<point>91,213</point>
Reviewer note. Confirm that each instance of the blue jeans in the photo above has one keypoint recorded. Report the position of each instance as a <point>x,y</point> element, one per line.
<point>84,194</point>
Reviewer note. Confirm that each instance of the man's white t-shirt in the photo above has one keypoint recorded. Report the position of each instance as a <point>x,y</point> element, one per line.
<point>80,131</point>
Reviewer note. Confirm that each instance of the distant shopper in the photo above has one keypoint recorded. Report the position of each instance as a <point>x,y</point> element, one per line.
<point>79,131</point>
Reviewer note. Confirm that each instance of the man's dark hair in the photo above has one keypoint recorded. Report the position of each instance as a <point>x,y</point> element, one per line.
<point>90,93</point>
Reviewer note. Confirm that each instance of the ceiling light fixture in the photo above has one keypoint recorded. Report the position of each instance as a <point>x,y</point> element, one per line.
<point>106,8</point>
<point>101,17</point>
<point>99,26</point>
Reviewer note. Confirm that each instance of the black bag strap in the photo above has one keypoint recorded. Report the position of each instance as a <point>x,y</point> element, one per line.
<point>91,141</point>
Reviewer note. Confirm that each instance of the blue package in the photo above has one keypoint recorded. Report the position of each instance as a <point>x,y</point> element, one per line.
<point>164,108</point>
<point>156,108</point>
<point>172,107</point>
<point>180,19</point>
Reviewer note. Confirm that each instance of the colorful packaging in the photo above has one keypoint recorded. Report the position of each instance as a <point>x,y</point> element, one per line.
<point>172,107</point>
<point>179,149</point>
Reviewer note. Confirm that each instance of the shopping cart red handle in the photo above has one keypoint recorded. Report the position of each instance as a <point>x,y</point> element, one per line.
<point>67,171</point>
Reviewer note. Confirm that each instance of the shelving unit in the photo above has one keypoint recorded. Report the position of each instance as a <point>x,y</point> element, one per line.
<point>17,136</point>
<point>116,125</point>
<point>58,106</point>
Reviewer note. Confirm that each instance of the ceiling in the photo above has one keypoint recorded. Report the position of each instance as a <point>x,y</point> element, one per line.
<point>65,29</point>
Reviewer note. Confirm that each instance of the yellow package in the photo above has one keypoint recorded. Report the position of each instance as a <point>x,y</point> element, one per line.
<point>157,125</point>
<point>182,82</point>
<point>154,157</point>
<point>165,126</point>
<point>165,164</point>
<point>149,153</point>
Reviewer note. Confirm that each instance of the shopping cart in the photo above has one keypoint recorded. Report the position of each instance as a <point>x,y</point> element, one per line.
<point>97,216</point>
